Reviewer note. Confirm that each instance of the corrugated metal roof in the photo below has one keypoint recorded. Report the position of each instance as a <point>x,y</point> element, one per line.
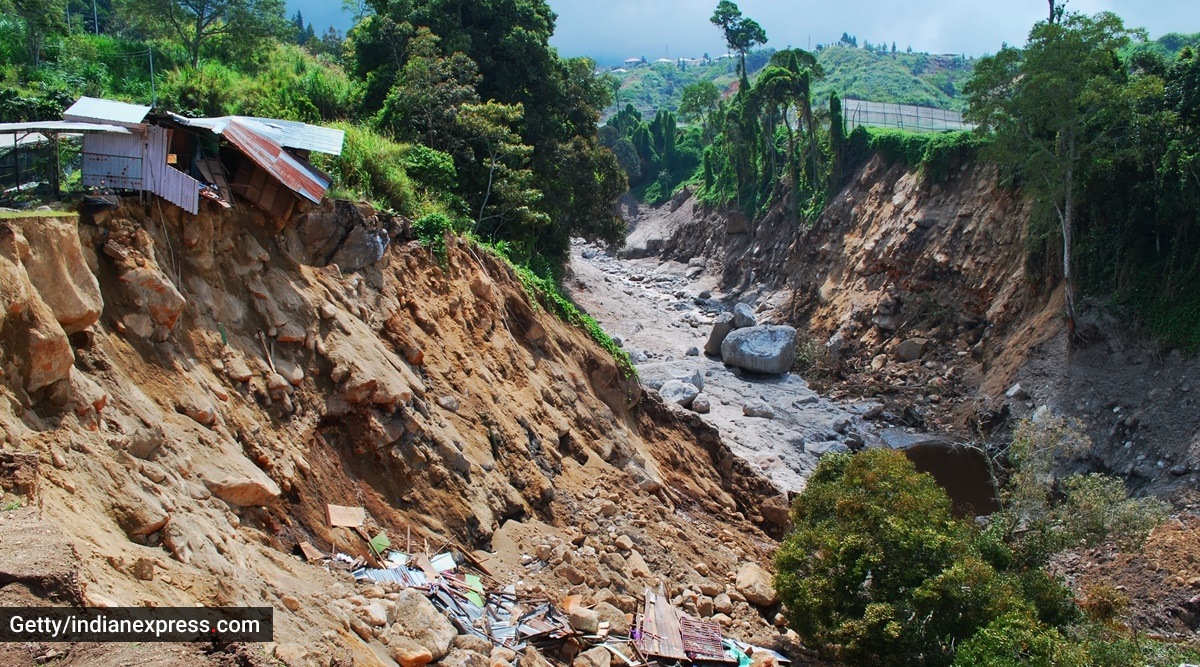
<point>21,139</point>
<point>290,134</point>
<point>298,176</point>
<point>108,111</point>
<point>61,126</point>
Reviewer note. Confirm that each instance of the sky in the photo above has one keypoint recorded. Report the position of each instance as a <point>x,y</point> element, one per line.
<point>612,30</point>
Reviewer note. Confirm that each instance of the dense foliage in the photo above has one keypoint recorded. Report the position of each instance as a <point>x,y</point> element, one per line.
<point>878,571</point>
<point>1103,135</point>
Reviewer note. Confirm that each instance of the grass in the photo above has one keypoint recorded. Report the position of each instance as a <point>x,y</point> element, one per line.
<point>18,215</point>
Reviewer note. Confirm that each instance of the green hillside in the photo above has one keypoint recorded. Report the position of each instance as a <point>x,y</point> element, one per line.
<point>907,78</point>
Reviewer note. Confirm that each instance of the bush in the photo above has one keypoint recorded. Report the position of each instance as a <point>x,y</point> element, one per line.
<point>1016,640</point>
<point>878,571</point>
<point>431,230</point>
<point>372,166</point>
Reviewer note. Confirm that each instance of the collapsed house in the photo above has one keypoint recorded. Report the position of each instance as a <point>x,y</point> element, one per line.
<point>132,147</point>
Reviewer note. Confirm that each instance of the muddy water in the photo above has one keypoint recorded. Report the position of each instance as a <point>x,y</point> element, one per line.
<point>962,471</point>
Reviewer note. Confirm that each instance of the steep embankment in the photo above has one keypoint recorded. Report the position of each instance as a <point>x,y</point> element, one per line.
<point>183,395</point>
<point>920,294</point>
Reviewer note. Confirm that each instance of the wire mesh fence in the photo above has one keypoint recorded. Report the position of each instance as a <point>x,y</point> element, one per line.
<point>902,116</point>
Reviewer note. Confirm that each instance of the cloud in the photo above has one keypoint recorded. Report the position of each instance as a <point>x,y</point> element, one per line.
<point>618,29</point>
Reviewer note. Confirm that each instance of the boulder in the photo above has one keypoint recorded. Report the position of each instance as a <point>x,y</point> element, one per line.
<point>761,349</point>
<point>679,392</point>
<point>596,657</point>
<point>776,511</point>
<point>911,349</point>
<point>586,621</point>
<point>618,624</point>
<point>697,379</point>
<point>59,272</point>
<point>743,316</point>
<point>408,653</point>
<point>755,584</point>
<point>362,248</point>
<point>723,604</point>
<point>464,658</point>
<point>721,328</point>
<point>701,405</point>
<point>758,408</point>
<point>472,643</point>
<point>637,565</point>
<point>415,617</point>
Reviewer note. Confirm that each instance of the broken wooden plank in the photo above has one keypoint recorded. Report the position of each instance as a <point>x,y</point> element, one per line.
<point>340,515</point>
<point>311,553</point>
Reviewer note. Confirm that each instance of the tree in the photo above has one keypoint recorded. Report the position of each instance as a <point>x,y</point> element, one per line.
<point>41,18</point>
<point>357,9</point>
<point>424,103</point>
<point>741,33</point>
<point>697,101</point>
<point>878,566</point>
<point>1047,107</point>
<point>196,21</point>
<point>506,160</point>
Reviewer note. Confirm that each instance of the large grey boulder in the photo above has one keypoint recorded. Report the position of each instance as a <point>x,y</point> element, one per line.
<point>721,328</point>
<point>761,349</point>
<point>415,617</point>
<point>679,392</point>
<point>743,316</point>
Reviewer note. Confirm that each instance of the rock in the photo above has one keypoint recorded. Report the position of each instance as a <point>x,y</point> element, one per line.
<point>568,572</point>
<point>85,393</point>
<point>49,354</point>
<point>449,403</point>
<point>374,613</point>
<point>618,624</point>
<point>759,409</point>
<point>531,658</point>
<point>723,604</point>
<point>415,617</point>
<point>701,569</point>
<point>624,543</point>
<point>586,621</point>
<point>143,569</point>
<point>693,352</point>
<point>290,602</point>
<point>743,316</point>
<point>472,643</point>
<point>408,653</point>
<point>911,349</point>
<point>608,508</point>
<point>878,362</point>
<point>637,565</point>
<point>827,447</point>
<point>297,655</point>
<point>238,482</point>
<point>721,328</point>
<point>704,606</point>
<point>701,405</point>
<point>755,583</point>
<point>1017,393</point>
<point>596,657</point>
<point>362,248</point>
<point>464,658</point>
<point>238,370</point>
<point>761,349</point>
<point>723,619</point>
<point>776,511</point>
<point>679,392</point>
<point>56,267</point>
<point>199,409</point>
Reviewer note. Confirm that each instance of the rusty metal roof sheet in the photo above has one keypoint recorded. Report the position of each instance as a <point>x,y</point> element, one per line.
<point>60,126</point>
<point>287,133</point>
<point>300,177</point>
<point>106,111</point>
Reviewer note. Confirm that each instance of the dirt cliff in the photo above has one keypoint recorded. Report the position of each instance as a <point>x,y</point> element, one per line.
<point>184,394</point>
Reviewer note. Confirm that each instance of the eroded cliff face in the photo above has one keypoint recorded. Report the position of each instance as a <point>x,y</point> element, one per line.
<point>188,392</point>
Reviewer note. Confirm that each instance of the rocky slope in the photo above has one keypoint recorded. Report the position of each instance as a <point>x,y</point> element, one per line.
<point>183,396</point>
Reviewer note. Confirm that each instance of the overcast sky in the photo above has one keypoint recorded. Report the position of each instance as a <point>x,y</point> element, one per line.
<point>613,30</point>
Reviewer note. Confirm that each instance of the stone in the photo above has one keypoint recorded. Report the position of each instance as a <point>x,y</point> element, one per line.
<point>878,362</point>
<point>54,262</point>
<point>408,653</point>
<point>415,617</point>
<point>290,602</point>
<point>704,606</point>
<point>701,405</point>
<point>568,572</point>
<point>238,482</point>
<point>143,569</point>
<point>449,403</point>
<point>618,623</point>
<point>296,655</point>
<point>761,349</point>
<point>820,449</point>
<point>637,564</point>
<point>584,620</point>
<point>531,658</point>
<point>464,658</point>
<point>723,604</point>
<point>472,643</point>
<point>758,408</point>
<point>721,328</point>
<point>743,316</point>
<point>596,657</point>
<point>776,511</point>
<point>723,619</point>
<point>238,370</point>
<point>608,508</point>
<point>754,583</point>
<point>374,613</point>
<point>199,409</point>
<point>624,543</point>
<point>362,248</point>
<point>678,392</point>
<point>702,569</point>
<point>911,349</point>
<point>1017,392</point>
<point>693,352</point>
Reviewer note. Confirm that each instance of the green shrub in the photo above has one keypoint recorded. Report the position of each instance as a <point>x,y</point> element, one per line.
<point>431,168</point>
<point>1017,640</point>
<point>431,230</point>
<point>372,166</point>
